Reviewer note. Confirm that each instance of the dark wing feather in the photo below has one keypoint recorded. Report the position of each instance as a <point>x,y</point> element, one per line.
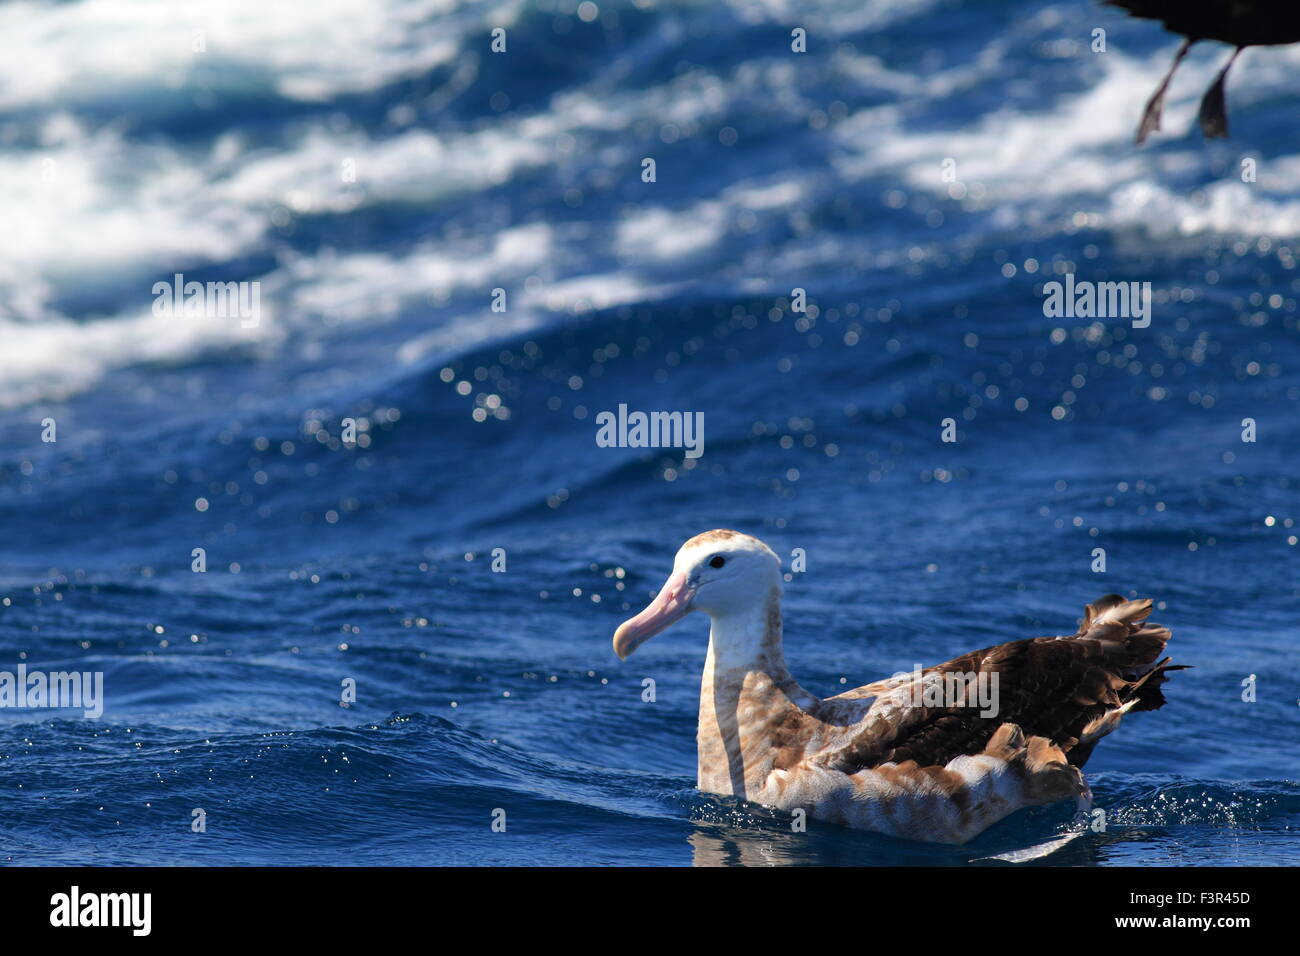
<point>1239,22</point>
<point>1060,688</point>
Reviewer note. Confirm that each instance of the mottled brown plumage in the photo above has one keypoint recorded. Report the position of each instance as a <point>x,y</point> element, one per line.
<point>929,755</point>
<point>1052,687</point>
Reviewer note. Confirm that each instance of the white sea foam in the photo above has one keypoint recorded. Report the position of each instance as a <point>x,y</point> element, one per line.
<point>132,50</point>
<point>1039,168</point>
<point>366,286</point>
<point>93,213</point>
<point>662,234</point>
<point>56,358</point>
<point>833,17</point>
<point>534,309</point>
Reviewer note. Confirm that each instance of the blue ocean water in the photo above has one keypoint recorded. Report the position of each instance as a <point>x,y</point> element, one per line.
<point>379,171</point>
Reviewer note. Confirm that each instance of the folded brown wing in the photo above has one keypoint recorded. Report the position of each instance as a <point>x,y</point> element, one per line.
<point>1071,690</point>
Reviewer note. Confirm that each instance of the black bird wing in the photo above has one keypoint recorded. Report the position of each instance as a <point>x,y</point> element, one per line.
<point>1239,22</point>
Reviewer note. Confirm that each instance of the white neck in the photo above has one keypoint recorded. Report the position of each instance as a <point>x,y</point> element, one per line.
<point>748,639</point>
<point>744,659</point>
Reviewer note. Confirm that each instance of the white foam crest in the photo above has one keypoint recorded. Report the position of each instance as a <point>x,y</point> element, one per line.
<point>533,309</point>
<point>414,166</point>
<point>578,294</point>
<point>106,50</point>
<point>119,211</point>
<point>1226,207</point>
<point>1066,150</point>
<point>1041,168</point>
<point>58,358</point>
<point>95,208</point>
<point>467,332</point>
<point>662,234</point>
<point>840,16</point>
<point>95,212</point>
<point>370,285</point>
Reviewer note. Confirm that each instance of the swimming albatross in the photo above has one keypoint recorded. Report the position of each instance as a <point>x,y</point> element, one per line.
<point>897,756</point>
<point>1241,23</point>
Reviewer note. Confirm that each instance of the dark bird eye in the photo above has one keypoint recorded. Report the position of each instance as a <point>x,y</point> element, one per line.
<point>717,561</point>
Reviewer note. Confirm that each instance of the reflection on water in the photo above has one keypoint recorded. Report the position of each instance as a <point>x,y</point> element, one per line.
<point>1144,826</point>
<point>716,846</point>
<point>729,832</point>
<point>820,845</point>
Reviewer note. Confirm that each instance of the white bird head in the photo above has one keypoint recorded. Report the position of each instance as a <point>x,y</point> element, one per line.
<point>721,573</point>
